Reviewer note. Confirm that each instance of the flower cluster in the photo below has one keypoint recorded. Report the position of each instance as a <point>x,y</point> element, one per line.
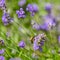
<point>21,13</point>
<point>32,8</point>
<point>6,19</point>
<point>39,41</point>
<point>2,58</point>
<point>49,20</point>
<point>22,3</point>
<point>21,44</point>
<point>35,25</point>
<point>1,50</point>
<point>2,3</point>
<point>48,7</point>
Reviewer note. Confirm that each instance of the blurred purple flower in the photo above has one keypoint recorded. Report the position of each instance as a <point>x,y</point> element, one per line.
<point>32,8</point>
<point>35,7</point>
<point>29,8</point>
<point>20,13</point>
<point>2,58</point>
<point>2,51</point>
<point>2,5</point>
<point>35,25</point>
<point>38,42</point>
<point>2,2</point>
<point>35,46</point>
<point>49,22</point>
<point>21,44</point>
<point>48,7</point>
<point>6,19</point>
<point>44,27</point>
<point>22,3</point>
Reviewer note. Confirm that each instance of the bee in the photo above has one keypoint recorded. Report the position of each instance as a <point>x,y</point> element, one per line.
<point>40,39</point>
<point>32,39</point>
<point>1,42</point>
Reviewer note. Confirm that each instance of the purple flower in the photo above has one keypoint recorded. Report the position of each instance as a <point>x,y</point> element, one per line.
<point>38,42</point>
<point>49,23</point>
<point>35,46</point>
<point>29,7</point>
<point>44,27</point>
<point>2,5</point>
<point>2,2</point>
<point>48,7</point>
<point>32,8</point>
<point>2,51</point>
<point>6,19</point>
<point>35,25</point>
<point>22,2</point>
<point>21,44</point>
<point>2,58</point>
<point>20,13</point>
<point>35,7</point>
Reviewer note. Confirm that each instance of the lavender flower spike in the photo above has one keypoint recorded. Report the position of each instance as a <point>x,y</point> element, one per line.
<point>6,19</point>
<point>48,7</point>
<point>2,2</point>
<point>35,46</point>
<point>2,51</point>
<point>38,42</point>
<point>35,25</point>
<point>32,8</point>
<point>35,7</point>
<point>21,44</point>
<point>22,3</point>
<point>2,58</point>
<point>20,13</point>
